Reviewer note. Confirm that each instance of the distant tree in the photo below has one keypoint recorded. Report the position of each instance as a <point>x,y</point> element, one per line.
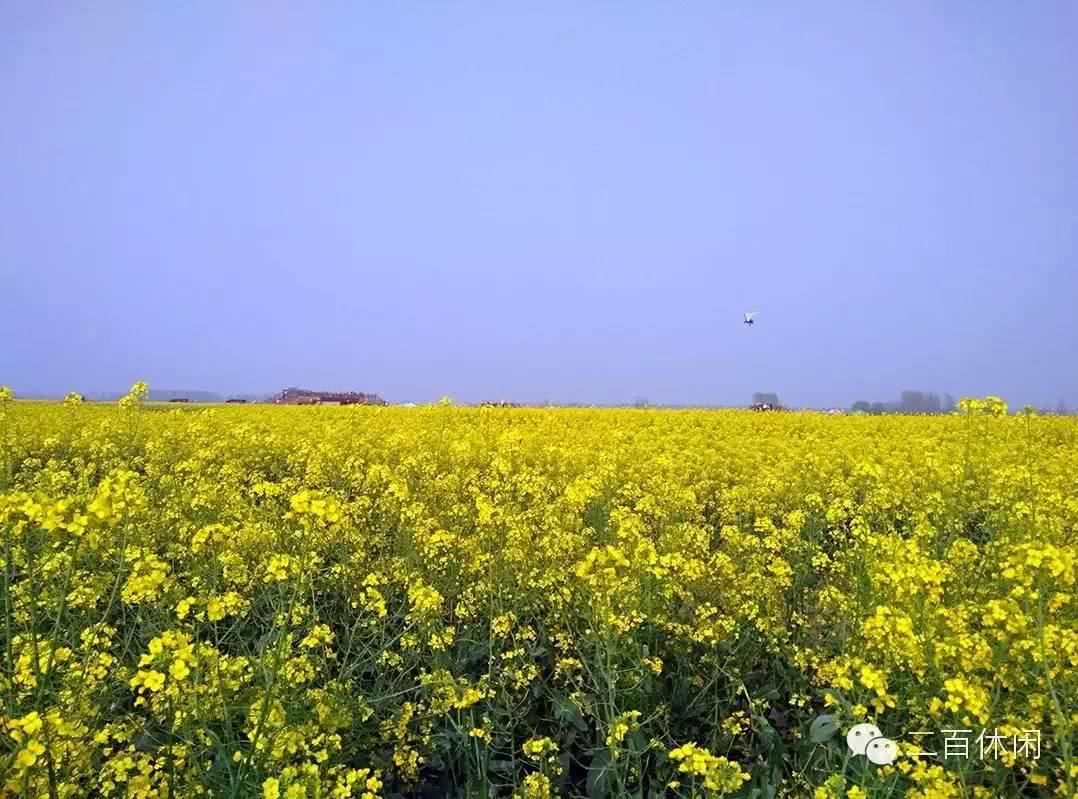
<point>861,406</point>
<point>766,398</point>
<point>641,402</point>
<point>948,403</point>
<point>920,402</point>
<point>166,395</point>
<point>877,408</point>
<point>1061,408</point>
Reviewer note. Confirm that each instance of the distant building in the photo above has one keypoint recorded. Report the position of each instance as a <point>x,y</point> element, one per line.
<point>300,396</point>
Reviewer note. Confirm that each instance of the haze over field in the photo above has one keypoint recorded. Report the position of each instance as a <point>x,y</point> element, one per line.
<point>569,203</point>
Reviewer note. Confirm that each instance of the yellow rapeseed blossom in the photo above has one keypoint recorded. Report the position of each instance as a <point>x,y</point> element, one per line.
<point>365,602</point>
<point>717,773</point>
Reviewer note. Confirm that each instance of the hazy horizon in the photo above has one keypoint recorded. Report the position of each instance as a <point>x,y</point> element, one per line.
<point>202,395</point>
<point>568,203</point>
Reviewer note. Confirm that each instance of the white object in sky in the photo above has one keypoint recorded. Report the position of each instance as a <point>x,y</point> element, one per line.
<point>748,317</point>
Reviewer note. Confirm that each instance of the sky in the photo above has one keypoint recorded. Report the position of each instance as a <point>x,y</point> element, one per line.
<point>567,202</point>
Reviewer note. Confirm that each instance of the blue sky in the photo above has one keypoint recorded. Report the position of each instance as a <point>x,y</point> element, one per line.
<point>545,201</point>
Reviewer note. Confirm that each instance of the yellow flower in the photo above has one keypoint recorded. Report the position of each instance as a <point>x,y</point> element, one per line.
<point>179,670</point>
<point>183,607</point>
<point>718,773</point>
<point>536,748</point>
<point>29,754</point>
<point>152,680</point>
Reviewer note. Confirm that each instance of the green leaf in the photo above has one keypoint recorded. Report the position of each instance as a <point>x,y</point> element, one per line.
<point>823,729</point>
<point>567,713</point>
<point>765,732</point>
<point>599,775</point>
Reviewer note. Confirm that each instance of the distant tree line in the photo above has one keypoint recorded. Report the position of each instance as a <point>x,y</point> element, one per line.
<point>910,402</point>
<point>160,395</point>
<point>930,402</point>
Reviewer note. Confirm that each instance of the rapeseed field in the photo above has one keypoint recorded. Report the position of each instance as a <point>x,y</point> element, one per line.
<point>297,603</point>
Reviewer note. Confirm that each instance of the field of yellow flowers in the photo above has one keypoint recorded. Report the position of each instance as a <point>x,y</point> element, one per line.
<point>438,601</point>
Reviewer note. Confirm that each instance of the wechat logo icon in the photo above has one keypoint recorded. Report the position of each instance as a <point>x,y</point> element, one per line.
<point>866,740</point>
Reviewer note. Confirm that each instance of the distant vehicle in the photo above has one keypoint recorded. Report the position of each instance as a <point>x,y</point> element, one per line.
<point>749,317</point>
